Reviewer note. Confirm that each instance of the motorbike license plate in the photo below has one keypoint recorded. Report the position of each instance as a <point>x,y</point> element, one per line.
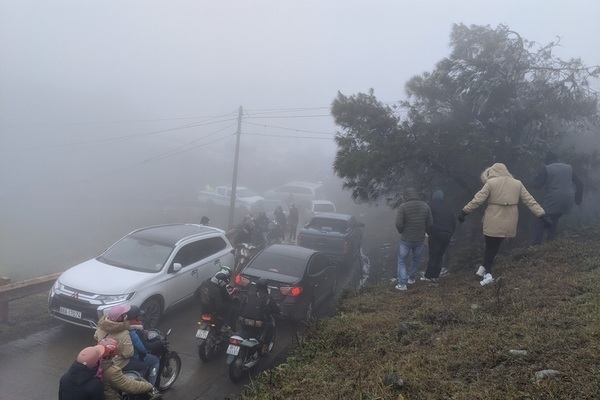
<point>69,312</point>
<point>233,350</point>
<point>202,334</point>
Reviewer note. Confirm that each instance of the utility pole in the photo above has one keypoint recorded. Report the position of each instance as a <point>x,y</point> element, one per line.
<point>235,170</point>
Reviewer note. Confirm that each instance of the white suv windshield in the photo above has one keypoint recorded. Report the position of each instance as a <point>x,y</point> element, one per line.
<point>137,254</point>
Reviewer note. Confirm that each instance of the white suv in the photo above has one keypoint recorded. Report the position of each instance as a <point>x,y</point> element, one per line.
<point>155,268</point>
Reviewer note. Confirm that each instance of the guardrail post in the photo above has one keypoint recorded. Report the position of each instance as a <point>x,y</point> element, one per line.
<point>4,305</point>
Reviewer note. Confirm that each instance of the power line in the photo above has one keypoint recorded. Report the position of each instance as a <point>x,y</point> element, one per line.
<point>286,128</point>
<point>288,137</point>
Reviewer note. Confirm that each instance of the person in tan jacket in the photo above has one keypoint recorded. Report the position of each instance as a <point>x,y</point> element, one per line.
<point>502,193</point>
<point>115,326</point>
<point>115,381</point>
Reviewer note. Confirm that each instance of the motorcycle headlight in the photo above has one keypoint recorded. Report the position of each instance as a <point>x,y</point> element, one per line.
<point>114,298</point>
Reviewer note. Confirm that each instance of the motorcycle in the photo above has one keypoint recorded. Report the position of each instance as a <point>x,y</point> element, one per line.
<point>170,362</point>
<point>211,337</point>
<point>245,347</point>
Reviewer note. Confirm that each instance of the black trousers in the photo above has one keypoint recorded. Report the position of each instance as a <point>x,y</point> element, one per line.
<point>492,245</point>
<point>438,244</point>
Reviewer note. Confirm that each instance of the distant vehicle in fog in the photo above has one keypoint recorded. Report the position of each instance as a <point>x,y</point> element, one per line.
<point>297,192</point>
<point>221,197</point>
<point>155,268</point>
<point>319,206</point>
<point>338,236</point>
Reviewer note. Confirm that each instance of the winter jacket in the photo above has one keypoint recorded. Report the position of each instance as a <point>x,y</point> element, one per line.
<point>563,187</point>
<point>80,383</point>
<point>444,220</point>
<point>503,193</point>
<point>114,381</point>
<point>120,332</point>
<point>214,298</point>
<point>414,217</point>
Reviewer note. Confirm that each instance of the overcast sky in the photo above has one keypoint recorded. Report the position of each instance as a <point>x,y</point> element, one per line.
<point>113,98</point>
<point>77,75</point>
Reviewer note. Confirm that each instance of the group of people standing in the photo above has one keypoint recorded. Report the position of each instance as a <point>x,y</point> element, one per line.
<point>435,222</point>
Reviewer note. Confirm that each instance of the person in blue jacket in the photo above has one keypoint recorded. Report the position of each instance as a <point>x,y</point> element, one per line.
<point>142,360</point>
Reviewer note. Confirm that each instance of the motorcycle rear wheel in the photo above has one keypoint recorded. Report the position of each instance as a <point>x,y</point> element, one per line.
<point>236,368</point>
<point>206,347</point>
<point>170,371</point>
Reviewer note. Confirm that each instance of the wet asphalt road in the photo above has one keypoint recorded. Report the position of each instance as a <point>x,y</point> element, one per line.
<point>30,368</point>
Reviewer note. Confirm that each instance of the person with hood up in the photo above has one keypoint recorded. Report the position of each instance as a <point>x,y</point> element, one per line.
<point>82,380</point>
<point>503,193</point>
<point>115,326</point>
<point>442,229</point>
<point>114,379</point>
<point>563,188</point>
<point>413,220</point>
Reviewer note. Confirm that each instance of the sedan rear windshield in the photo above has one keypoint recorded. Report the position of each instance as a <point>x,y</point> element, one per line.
<point>279,264</point>
<point>137,254</point>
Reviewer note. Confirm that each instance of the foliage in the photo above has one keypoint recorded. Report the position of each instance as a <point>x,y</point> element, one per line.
<point>455,341</point>
<point>496,98</point>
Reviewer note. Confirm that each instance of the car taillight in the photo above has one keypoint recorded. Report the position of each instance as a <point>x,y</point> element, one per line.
<point>240,280</point>
<point>234,341</point>
<point>346,246</point>
<point>206,317</point>
<point>299,238</point>
<point>291,290</point>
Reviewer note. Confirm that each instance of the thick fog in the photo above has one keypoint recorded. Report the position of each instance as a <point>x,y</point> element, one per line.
<point>114,114</point>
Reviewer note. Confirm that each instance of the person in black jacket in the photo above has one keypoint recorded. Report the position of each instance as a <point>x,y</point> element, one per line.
<point>82,381</point>
<point>215,298</point>
<point>440,233</point>
<point>563,188</point>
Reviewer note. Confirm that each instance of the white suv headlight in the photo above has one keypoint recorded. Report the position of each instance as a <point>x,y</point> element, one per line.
<point>114,298</point>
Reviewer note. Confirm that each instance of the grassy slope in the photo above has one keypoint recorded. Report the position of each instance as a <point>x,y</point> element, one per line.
<point>458,337</point>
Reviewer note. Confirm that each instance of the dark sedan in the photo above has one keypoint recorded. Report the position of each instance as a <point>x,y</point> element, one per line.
<point>299,279</point>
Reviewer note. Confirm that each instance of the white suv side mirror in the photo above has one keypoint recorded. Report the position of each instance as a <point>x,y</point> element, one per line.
<point>176,267</point>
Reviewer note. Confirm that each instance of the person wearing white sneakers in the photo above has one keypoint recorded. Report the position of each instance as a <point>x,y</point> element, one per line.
<point>413,220</point>
<point>503,193</point>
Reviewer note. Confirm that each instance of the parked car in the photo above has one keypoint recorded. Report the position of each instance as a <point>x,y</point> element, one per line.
<point>297,192</point>
<point>319,206</point>
<point>337,235</point>
<point>155,268</point>
<point>221,197</point>
<point>299,279</point>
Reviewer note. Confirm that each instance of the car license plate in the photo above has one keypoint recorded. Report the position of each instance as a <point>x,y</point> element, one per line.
<point>70,313</point>
<point>233,350</point>
<point>202,334</point>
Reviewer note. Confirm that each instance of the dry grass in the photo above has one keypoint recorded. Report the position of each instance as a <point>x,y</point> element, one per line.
<point>454,341</point>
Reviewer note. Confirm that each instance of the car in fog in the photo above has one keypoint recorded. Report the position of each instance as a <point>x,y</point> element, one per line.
<point>297,192</point>
<point>156,268</point>
<point>299,279</point>
<point>337,235</point>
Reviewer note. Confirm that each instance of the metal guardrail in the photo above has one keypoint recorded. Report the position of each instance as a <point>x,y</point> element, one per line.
<point>18,290</point>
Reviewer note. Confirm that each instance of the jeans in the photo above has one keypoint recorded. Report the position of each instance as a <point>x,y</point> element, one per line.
<point>405,247</point>
<point>539,229</point>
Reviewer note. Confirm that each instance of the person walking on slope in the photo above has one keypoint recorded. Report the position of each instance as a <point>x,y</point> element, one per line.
<point>503,193</point>
<point>413,220</point>
<point>442,229</point>
<point>563,187</point>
